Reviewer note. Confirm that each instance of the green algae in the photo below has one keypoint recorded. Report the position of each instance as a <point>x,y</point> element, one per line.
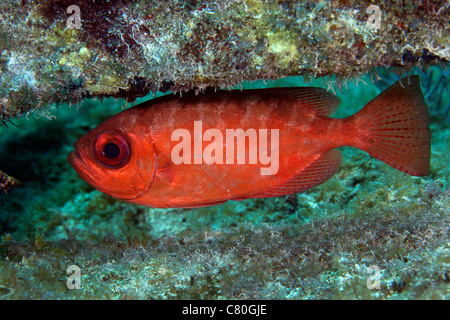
<point>313,245</point>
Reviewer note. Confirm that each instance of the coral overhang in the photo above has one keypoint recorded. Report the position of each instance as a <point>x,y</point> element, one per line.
<point>129,48</point>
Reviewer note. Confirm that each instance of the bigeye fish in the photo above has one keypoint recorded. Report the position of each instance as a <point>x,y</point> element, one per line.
<point>206,149</point>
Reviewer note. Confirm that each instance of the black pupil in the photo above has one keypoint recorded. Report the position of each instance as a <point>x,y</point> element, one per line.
<point>111,150</point>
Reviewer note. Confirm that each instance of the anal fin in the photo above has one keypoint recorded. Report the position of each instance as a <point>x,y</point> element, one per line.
<point>203,204</point>
<point>317,173</point>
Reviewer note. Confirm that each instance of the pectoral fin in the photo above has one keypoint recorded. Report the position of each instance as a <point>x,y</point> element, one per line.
<point>165,173</point>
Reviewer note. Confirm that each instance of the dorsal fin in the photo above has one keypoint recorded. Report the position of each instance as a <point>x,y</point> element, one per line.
<point>319,99</point>
<point>317,173</point>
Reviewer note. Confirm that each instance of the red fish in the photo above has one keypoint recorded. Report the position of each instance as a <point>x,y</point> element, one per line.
<point>206,149</point>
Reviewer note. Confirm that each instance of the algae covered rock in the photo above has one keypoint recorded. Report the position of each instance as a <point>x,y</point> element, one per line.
<point>7,182</point>
<point>54,51</point>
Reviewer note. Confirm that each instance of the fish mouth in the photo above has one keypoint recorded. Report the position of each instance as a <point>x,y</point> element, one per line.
<point>87,173</point>
<point>77,162</point>
<point>80,166</point>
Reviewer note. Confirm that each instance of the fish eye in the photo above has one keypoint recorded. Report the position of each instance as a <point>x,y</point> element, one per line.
<point>111,149</point>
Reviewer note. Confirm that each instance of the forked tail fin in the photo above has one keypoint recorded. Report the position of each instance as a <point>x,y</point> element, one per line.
<point>399,127</point>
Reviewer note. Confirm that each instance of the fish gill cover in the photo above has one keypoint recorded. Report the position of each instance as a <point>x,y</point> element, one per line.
<point>316,244</point>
